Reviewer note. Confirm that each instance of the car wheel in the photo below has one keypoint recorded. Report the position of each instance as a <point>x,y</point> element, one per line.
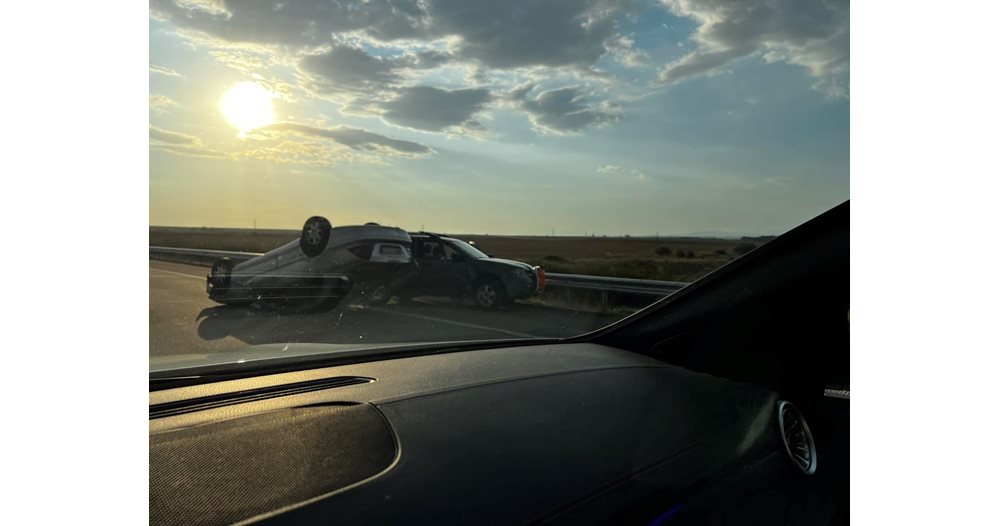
<point>315,235</point>
<point>222,272</point>
<point>221,278</point>
<point>489,294</point>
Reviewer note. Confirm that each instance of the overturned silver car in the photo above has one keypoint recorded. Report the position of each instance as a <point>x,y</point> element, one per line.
<point>316,272</point>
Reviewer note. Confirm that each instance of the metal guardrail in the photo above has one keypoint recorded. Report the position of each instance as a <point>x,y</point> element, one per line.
<point>605,284</point>
<point>199,255</point>
<point>609,284</point>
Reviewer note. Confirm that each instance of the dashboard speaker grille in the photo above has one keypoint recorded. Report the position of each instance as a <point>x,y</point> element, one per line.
<point>237,469</point>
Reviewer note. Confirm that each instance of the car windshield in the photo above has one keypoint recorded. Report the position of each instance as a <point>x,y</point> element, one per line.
<point>313,163</point>
<point>467,249</point>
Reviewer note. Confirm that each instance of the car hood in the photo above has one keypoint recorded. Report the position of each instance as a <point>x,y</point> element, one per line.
<point>506,262</point>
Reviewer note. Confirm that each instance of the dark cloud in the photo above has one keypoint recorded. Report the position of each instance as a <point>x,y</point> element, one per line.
<point>562,110</point>
<point>159,134</point>
<point>344,68</point>
<point>294,23</point>
<point>570,34</point>
<point>527,32</point>
<point>355,138</point>
<point>513,33</point>
<point>347,69</point>
<point>433,109</point>
<point>810,33</point>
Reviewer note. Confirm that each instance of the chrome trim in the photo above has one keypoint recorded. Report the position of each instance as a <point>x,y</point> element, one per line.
<point>837,393</point>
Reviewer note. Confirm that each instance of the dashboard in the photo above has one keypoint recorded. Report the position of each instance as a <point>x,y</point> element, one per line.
<point>563,433</point>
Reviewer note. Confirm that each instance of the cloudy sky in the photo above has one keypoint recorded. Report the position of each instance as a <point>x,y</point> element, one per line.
<point>644,116</point>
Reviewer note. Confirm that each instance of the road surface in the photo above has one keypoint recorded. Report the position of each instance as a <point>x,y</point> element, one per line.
<point>182,320</point>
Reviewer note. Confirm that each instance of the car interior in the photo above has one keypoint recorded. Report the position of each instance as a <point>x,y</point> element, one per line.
<point>726,402</point>
<point>431,250</point>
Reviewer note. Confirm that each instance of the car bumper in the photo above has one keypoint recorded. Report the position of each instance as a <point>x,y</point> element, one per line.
<point>527,285</point>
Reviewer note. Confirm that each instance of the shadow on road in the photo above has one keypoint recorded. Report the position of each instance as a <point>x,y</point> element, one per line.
<point>261,324</point>
<point>395,323</point>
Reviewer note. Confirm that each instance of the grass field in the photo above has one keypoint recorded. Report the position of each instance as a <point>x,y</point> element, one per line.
<point>670,259</point>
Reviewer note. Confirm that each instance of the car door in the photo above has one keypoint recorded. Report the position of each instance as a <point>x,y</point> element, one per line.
<point>455,271</point>
<point>436,274</point>
<point>426,252</point>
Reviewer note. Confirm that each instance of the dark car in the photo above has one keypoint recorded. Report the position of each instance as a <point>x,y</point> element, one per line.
<point>451,267</point>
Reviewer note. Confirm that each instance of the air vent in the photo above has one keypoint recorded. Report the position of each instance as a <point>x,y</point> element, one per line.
<point>252,395</point>
<point>797,438</point>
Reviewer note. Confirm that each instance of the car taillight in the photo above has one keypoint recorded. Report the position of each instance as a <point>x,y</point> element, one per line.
<point>541,278</point>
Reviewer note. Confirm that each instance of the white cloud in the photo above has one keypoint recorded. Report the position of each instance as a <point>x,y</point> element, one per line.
<point>624,50</point>
<point>639,175</point>
<point>814,34</point>
<point>618,171</point>
<point>172,137</point>
<point>160,103</point>
<point>189,151</point>
<point>160,70</point>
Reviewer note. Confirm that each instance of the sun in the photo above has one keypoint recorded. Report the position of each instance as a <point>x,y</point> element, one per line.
<point>247,106</point>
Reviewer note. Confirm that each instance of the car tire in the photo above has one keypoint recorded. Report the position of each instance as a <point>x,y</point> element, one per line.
<point>221,278</point>
<point>489,294</point>
<point>315,236</point>
<point>222,272</point>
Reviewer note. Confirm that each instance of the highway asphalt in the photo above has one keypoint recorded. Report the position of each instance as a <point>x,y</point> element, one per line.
<point>182,320</point>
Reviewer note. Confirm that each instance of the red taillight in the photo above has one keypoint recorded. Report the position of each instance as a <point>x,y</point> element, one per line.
<point>541,278</point>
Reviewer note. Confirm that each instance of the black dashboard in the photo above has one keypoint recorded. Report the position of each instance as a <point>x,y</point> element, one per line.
<point>538,434</point>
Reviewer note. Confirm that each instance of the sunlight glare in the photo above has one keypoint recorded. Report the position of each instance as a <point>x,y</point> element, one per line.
<point>247,106</point>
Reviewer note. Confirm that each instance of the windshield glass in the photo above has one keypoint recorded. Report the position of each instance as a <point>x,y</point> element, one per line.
<point>596,140</point>
<point>467,249</point>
